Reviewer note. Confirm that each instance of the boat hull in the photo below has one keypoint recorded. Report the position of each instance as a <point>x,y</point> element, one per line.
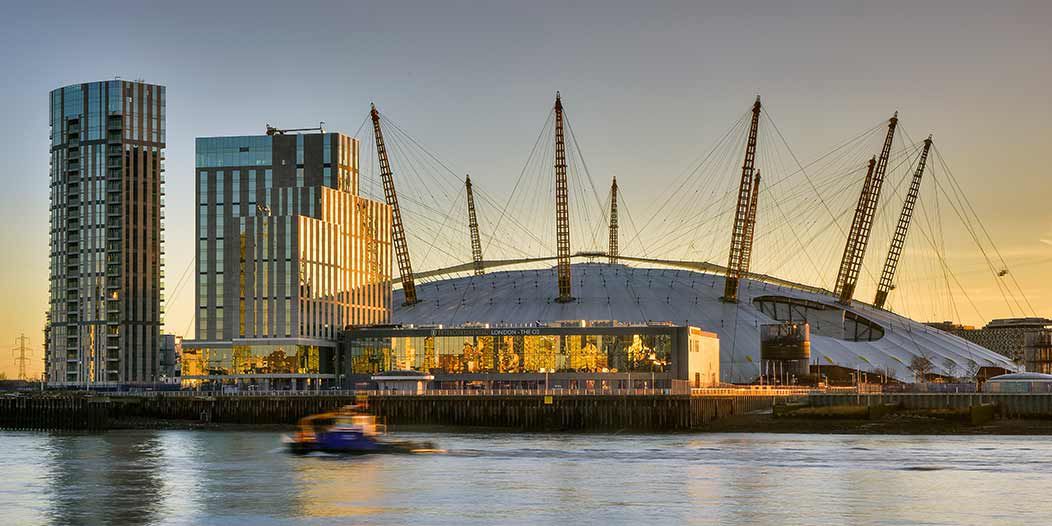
<point>352,443</point>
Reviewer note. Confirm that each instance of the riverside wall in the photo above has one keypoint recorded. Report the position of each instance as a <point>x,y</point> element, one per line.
<point>526,412</point>
<point>1009,405</point>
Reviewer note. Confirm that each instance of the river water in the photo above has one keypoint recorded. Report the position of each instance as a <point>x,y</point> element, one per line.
<point>244,477</point>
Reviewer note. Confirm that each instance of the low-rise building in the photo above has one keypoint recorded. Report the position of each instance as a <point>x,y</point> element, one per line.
<point>171,349</point>
<point>566,355</point>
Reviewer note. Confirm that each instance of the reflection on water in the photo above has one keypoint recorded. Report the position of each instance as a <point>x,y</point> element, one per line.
<point>195,477</point>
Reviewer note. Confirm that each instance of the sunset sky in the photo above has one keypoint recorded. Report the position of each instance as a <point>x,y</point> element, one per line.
<point>651,87</point>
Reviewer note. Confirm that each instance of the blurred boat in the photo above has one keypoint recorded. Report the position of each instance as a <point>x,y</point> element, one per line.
<point>348,431</point>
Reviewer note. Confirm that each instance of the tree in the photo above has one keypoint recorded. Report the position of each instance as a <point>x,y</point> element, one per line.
<point>921,366</point>
<point>971,370</point>
<point>886,373</point>
<point>951,368</point>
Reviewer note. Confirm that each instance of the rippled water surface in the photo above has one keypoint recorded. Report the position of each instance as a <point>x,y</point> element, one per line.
<point>209,477</point>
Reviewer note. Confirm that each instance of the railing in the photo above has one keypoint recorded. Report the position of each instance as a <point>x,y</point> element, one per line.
<point>755,391</point>
<point>429,392</point>
<point>707,391</point>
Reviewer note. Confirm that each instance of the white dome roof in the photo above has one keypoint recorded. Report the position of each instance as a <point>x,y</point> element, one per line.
<point>629,294</point>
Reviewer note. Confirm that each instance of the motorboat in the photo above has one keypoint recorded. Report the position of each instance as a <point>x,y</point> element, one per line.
<point>348,431</point>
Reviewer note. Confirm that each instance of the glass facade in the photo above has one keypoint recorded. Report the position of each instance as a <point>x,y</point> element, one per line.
<point>287,251</point>
<point>256,359</point>
<point>547,350</point>
<point>107,222</point>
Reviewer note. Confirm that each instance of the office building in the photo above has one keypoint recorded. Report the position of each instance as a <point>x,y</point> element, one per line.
<point>106,231</point>
<point>1005,336</point>
<point>288,254</point>
<point>171,349</point>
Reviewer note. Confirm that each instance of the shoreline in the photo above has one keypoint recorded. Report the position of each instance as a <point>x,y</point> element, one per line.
<point>897,424</point>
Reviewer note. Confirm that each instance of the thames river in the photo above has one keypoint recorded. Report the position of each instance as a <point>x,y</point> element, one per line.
<point>244,477</point>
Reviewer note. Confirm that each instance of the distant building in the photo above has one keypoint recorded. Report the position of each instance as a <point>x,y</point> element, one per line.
<point>1037,356</point>
<point>1006,336</point>
<point>171,349</point>
<point>1028,382</point>
<point>288,254</point>
<point>106,257</point>
<point>578,355</point>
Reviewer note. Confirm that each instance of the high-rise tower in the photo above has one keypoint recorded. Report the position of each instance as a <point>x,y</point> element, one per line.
<point>106,250</point>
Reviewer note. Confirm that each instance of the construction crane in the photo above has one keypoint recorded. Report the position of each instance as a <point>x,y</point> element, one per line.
<point>405,268</point>
<point>741,235</point>
<point>276,131</point>
<point>473,228</point>
<point>612,250</point>
<point>562,214</point>
<point>887,276</point>
<point>862,224</point>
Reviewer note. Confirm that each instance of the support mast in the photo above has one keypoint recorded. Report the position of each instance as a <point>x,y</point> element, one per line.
<point>562,214</point>
<point>750,224</point>
<point>735,268</point>
<point>405,268</point>
<point>862,224</point>
<point>613,251</point>
<point>473,227</point>
<point>887,276</point>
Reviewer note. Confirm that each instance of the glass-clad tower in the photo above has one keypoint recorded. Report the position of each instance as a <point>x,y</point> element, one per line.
<point>288,254</point>
<point>106,250</point>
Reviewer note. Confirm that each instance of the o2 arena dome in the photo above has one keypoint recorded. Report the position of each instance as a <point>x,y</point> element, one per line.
<point>854,337</point>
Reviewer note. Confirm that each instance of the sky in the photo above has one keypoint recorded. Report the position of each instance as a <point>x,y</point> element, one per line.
<point>651,85</point>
